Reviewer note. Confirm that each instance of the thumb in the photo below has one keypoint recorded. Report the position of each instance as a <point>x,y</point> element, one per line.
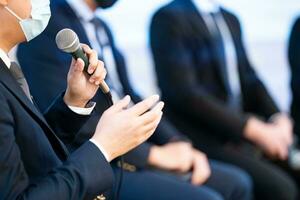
<point>77,67</point>
<point>122,104</point>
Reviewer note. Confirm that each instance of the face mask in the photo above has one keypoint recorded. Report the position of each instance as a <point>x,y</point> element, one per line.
<point>106,3</point>
<point>40,16</point>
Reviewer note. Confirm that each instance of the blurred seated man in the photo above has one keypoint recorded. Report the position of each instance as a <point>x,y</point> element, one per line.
<point>157,170</point>
<point>214,95</point>
<point>34,162</point>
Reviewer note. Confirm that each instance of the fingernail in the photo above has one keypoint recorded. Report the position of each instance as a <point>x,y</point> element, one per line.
<point>127,98</point>
<point>97,83</point>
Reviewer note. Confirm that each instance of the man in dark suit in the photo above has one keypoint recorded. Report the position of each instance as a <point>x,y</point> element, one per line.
<point>166,151</point>
<point>294,59</point>
<point>214,95</point>
<point>34,163</point>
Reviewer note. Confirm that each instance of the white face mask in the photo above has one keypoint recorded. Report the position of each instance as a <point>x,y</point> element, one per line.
<point>40,16</point>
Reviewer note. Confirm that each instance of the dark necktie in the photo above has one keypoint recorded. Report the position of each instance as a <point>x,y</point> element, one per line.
<point>17,73</point>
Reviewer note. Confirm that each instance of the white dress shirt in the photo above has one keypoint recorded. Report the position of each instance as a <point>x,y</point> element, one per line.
<point>5,58</point>
<point>205,7</point>
<point>77,110</point>
<point>85,14</point>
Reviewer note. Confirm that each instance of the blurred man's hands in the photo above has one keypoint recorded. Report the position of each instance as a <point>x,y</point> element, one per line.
<point>177,156</point>
<point>284,123</point>
<point>81,86</point>
<point>181,157</point>
<point>201,168</point>
<point>121,129</point>
<point>269,137</point>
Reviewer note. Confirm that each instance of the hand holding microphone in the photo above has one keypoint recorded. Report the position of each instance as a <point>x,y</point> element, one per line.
<point>120,128</point>
<point>86,73</point>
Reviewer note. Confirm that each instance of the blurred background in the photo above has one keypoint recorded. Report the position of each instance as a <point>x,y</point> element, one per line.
<point>266,28</point>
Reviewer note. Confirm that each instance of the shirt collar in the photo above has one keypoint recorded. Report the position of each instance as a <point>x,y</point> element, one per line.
<point>207,6</point>
<point>5,58</point>
<point>82,10</point>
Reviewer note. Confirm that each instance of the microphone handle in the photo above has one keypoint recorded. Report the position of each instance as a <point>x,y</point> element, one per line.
<point>79,53</point>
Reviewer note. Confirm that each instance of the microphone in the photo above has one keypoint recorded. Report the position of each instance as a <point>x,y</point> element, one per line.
<point>68,41</point>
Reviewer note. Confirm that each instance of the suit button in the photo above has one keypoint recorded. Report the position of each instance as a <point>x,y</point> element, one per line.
<point>127,167</point>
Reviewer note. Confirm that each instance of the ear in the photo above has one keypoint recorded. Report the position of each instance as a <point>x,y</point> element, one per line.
<point>3,2</point>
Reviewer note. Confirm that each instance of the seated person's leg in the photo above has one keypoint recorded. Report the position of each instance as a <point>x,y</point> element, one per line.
<point>269,181</point>
<point>230,181</point>
<point>147,185</point>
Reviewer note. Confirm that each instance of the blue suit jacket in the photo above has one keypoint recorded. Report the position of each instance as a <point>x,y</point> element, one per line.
<point>34,163</point>
<point>47,79</point>
<point>187,59</point>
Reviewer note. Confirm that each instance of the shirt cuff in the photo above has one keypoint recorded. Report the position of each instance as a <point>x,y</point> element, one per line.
<point>101,149</point>
<point>84,111</point>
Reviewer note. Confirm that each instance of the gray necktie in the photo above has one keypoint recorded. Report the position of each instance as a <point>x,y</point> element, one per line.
<point>234,99</point>
<point>17,73</point>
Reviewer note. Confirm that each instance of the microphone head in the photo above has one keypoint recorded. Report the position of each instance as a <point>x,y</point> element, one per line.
<point>67,40</point>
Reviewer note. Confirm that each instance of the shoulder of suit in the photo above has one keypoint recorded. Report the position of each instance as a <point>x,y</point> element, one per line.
<point>229,13</point>
<point>169,8</point>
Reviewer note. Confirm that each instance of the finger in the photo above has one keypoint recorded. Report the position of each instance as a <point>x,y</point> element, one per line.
<point>283,153</point>
<point>77,67</point>
<point>147,131</point>
<point>201,171</point>
<point>151,127</point>
<point>101,77</point>
<point>93,60</point>
<point>187,164</point>
<point>152,115</point>
<point>86,49</point>
<point>121,105</point>
<point>144,106</point>
<point>196,175</point>
<point>99,74</point>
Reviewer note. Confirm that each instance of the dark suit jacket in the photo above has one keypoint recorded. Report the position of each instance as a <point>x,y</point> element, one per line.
<point>191,77</point>
<point>47,79</point>
<point>294,59</point>
<point>34,163</point>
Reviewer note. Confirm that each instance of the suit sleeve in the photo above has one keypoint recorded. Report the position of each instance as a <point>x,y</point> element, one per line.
<point>78,177</point>
<point>256,97</point>
<point>175,70</point>
<point>64,121</point>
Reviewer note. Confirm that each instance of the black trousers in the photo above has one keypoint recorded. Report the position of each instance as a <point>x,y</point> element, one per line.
<point>270,181</point>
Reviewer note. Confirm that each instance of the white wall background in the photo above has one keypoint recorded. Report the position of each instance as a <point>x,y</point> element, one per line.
<point>266,28</point>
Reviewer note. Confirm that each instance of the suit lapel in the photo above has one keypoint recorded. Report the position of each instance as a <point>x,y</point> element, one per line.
<point>10,83</point>
<point>194,17</point>
<point>200,28</point>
